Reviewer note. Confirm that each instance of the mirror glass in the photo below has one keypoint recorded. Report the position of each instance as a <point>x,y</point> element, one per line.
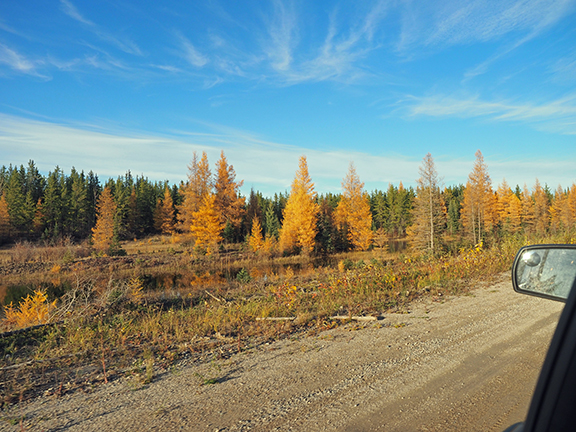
<point>545,271</point>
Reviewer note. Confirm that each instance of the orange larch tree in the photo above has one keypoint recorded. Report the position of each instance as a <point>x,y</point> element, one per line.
<point>206,224</point>
<point>300,214</point>
<point>198,186</point>
<point>509,208</point>
<point>557,209</point>
<point>353,212</point>
<point>256,240</point>
<point>570,211</point>
<point>104,233</point>
<point>478,208</point>
<point>541,209</point>
<point>164,213</point>
<point>228,200</point>
<point>528,217</point>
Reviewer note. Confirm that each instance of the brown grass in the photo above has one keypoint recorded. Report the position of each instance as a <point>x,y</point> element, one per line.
<point>129,315</point>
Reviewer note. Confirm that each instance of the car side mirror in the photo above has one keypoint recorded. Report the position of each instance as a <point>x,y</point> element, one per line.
<point>547,271</point>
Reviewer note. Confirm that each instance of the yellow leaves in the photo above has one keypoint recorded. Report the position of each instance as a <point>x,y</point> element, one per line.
<point>509,208</point>
<point>300,214</point>
<point>353,211</point>
<point>33,310</point>
<point>103,232</point>
<point>135,290</point>
<point>195,190</point>
<point>479,211</point>
<point>287,294</point>
<point>256,240</point>
<point>164,213</point>
<point>206,224</point>
<point>228,200</point>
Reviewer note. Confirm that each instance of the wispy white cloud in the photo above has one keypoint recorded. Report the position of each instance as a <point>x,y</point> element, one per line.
<point>515,22</point>
<point>190,53</point>
<point>455,22</point>
<point>122,44</point>
<point>557,116</point>
<point>282,32</point>
<point>564,69</point>
<point>19,62</point>
<point>69,9</point>
<point>338,57</point>
<point>167,68</point>
<point>16,61</point>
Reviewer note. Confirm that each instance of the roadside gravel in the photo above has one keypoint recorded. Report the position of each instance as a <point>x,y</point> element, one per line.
<point>463,363</point>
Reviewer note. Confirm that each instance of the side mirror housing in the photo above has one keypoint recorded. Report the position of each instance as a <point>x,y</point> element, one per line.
<point>547,271</point>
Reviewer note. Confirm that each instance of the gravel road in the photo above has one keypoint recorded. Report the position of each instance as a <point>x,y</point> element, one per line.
<point>466,363</point>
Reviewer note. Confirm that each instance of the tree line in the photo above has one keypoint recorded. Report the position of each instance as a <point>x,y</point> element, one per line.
<point>208,209</point>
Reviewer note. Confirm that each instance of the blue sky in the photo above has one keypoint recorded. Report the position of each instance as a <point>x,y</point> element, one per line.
<point>121,85</point>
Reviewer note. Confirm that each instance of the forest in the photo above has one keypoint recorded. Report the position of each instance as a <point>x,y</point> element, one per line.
<point>208,210</point>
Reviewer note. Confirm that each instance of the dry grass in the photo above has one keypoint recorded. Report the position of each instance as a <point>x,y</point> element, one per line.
<point>129,315</point>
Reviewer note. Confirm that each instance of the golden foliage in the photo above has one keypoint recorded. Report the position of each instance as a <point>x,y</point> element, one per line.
<point>563,209</point>
<point>353,211</point>
<point>299,226</point>
<point>199,185</point>
<point>33,310</point>
<point>164,213</point>
<point>206,224</point>
<point>479,209</point>
<point>528,216</point>
<point>135,290</point>
<point>228,200</point>
<point>556,210</point>
<point>509,208</point>
<point>103,233</point>
<point>256,240</point>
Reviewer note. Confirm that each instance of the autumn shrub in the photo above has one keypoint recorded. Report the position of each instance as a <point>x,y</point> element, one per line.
<point>32,310</point>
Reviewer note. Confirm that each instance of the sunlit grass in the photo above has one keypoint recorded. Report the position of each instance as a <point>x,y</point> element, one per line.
<point>108,317</point>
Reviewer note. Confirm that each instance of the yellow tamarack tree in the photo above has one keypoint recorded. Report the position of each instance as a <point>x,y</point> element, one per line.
<point>256,240</point>
<point>228,200</point>
<point>509,208</point>
<point>199,185</point>
<point>353,212</point>
<point>103,233</point>
<point>206,224</point>
<point>557,209</point>
<point>300,214</point>
<point>33,310</point>
<point>478,207</point>
<point>164,213</point>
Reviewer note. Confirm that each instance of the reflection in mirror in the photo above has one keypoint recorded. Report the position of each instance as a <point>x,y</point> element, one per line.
<point>547,271</point>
